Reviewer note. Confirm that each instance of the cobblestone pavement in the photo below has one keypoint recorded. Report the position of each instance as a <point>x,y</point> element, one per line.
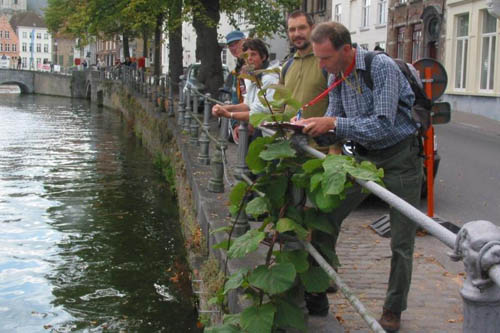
<point>434,303</point>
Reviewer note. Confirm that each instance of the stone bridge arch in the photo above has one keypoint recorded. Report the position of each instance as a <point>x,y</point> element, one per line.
<point>24,88</point>
<point>23,79</point>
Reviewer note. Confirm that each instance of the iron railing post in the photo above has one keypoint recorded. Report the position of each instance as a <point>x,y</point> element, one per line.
<point>241,167</point>
<point>478,245</point>
<point>180,109</point>
<point>203,155</point>
<point>187,114</point>
<point>216,182</point>
<point>194,124</point>
<point>162,95</point>
<point>171,112</point>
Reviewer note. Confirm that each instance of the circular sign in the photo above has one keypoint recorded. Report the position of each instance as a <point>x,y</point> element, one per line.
<point>431,71</point>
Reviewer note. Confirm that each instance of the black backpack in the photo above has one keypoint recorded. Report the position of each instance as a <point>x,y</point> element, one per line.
<point>421,108</point>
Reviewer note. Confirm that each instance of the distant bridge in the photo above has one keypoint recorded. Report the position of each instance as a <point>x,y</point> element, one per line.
<point>47,83</point>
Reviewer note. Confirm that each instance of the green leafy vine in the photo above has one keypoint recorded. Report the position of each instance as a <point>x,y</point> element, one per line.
<point>281,171</point>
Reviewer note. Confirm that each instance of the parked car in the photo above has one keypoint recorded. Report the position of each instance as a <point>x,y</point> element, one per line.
<point>191,80</point>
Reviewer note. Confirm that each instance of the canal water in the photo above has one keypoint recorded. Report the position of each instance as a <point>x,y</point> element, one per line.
<point>89,238</point>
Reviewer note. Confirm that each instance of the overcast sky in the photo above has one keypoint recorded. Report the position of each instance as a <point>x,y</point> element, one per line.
<point>37,5</point>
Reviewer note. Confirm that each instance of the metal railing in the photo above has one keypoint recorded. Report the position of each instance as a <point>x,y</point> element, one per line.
<point>477,243</point>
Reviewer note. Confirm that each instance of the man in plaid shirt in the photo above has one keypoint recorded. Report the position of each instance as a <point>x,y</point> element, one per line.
<point>380,123</point>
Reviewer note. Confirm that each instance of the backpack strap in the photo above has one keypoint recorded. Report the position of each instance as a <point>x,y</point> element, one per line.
<point>367,74</point>
<point>285,68</point>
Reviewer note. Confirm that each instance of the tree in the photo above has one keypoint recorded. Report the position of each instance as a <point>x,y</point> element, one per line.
<point>264,16</point>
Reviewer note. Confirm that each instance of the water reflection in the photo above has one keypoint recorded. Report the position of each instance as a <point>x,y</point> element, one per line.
<point>89,238</point>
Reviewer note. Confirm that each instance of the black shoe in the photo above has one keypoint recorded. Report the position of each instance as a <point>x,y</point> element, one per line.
<point>317,304</point>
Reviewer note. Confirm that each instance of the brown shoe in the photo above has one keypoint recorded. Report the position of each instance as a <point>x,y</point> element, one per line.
<point>390,321</point>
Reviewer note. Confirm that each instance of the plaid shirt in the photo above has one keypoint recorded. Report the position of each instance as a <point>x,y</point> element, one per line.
<point>373,118</point>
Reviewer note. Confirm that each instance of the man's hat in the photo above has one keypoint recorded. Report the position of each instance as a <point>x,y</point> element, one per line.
<point>234,36</point>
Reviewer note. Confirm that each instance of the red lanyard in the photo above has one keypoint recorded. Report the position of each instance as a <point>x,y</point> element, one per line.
<point>333,85</point>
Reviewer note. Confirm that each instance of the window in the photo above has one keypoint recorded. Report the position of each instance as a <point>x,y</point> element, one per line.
<point>38,35</point>
<point>7,35</point>
<point>38,61</point>
<point>382,11</point>
<point>31,35</point>
<point>1,47</point>
<point>14,47</point>
<point>38,47</point>
<point>321,5</point>
<point>24,47</point>
<point>338,12</point>
<point>24,62</point>
<point>46,48</point>
<point>401,42</point>
<point>462,44</point>
<point>365,13</point>
<point>488,50</point>
<point>7,47</point>
<point>1,33</point>
<point>416,42</point>
<point>45,36</point>
<point>31,47</point>
<point>25,34</point>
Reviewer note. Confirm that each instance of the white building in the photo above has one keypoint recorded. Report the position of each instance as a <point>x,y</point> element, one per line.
<point>10,6</point>
<point>365,19</point>
<point>472,58</point>
<point>35,41</point>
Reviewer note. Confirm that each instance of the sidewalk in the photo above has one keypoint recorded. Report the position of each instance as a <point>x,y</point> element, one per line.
<point>434,303</point>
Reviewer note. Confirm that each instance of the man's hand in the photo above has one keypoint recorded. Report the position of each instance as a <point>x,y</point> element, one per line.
<point>219,111</point>
<point>317,125</point>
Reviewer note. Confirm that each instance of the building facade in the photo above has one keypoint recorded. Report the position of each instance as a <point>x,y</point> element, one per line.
<point>368,29</point>
<point>11,6</point>
<point>416,29</point>
<point>320,10</point>
<point>9,50</point>
<point>35,41</point>
<point>472,58</point>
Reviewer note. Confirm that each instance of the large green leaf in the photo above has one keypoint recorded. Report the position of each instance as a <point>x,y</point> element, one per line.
<point>276,189</point>
<point>254,162</point>
<point>286,224</point>
<point>315,280</point>
<point>297,257</point>
<point>257,118</point>
<point>246,243</point>
<point>280,92</point>
<point>278,150</point>
<point>257,206</point>
<point>275,279</point>
<point>366,171</point>
<point>300,180</point>
<point>232,319</point>
<point>236,279</point>
<point>317,221</point>
<point>325,202</point>
<point>225,328</point>
<point>334,163</point>
<point>333,182</point>
<point>224,245</point>
<point>258,319</point>
<point>312,165</point>
<point>315,181</point>
<point>290,315</point>
<point>237,193</point>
